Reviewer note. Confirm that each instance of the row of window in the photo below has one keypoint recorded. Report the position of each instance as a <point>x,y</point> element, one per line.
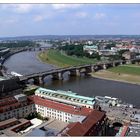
<point>58,117</point>
<point>16,113</point>
<point>54,111</point>
<point>41,108</point>
<point>61,96</point>
<point>54,114</point>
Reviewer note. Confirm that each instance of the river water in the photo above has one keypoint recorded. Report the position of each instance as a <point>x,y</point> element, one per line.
<point>27,62</point>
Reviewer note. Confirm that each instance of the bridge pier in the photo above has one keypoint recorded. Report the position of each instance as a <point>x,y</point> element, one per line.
<point>38,80</point>
<point>41,80</point>
<point>128,62</point>
<point>137,62</point>
<point>88,70</point>
<point>96,68</point>
<point>113,64</point>
<point>75,72</point>
<point>104,66</point>
<point>124,62</point>
<point>92,69</point>
<point>121,62</point>
<point>57,76</point>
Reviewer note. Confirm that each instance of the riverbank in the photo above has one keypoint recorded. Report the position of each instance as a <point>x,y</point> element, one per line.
<point>120,77</point>
<point>131,69</point>
<point>62,60</point>
<point>41,61</point>
<point>10,54</point>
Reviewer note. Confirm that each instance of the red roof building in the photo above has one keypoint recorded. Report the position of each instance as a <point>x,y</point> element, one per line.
<point>60,106</point>
<point>10,107</point>
<point>93,125</point>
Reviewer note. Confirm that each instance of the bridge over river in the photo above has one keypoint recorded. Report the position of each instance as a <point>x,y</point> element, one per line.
<point>57,74</point>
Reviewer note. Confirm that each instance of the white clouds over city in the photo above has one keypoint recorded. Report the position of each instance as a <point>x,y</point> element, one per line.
<point>68,18</point>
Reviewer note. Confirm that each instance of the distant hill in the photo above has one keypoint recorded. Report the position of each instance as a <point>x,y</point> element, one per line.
<point>72,37</point>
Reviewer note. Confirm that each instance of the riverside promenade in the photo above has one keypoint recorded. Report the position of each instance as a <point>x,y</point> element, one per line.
<point>122,114</point>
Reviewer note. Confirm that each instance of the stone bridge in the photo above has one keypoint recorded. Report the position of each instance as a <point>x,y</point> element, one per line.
<point>57,74</point>
<point>113,120</point>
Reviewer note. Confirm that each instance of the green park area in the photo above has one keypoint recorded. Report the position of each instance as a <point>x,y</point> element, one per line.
<point>61,59</point>
<point>126,69</point>
<point>124,73</point>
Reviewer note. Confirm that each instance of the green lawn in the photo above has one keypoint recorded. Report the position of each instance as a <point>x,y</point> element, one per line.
<point>130,69</point>
<point>62,60</point>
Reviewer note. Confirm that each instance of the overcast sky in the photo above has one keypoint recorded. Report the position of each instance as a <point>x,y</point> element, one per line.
<point>69,19</point>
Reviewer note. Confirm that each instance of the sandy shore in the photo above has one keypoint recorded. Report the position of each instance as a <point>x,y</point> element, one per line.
<point>107,75</point>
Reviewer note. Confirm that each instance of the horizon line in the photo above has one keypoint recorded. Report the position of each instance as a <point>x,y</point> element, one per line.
<point>71,35</point>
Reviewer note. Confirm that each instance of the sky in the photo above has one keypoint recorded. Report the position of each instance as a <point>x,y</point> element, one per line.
<point>69,19</point>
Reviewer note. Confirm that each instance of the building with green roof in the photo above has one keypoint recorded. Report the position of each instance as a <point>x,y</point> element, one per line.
<point>67,97</point>
<point>90,49</point>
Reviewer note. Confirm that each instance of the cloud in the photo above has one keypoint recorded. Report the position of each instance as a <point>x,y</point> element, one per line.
<point>39,18</point>
<point>81,14</point>
<point>100,15</point>
<point>18,8</point>
<point>66,6</point>
<point>10,21</point>
<point>23,8</point>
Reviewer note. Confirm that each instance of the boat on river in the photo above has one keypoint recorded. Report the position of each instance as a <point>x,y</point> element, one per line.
<point>111,101</point>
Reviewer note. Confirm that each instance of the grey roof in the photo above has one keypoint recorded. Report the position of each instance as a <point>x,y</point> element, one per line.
<point>77,119</point>
<point>20,95</point>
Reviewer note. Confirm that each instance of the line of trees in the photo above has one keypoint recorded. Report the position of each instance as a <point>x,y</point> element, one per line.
<point>17,44</point>
<point>77,50</point>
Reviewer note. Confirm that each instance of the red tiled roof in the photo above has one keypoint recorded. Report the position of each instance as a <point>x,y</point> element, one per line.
<point>76,130</point>
<point>60,106</point>
<point>6,101</point>
<point>80,129</point>
<point>10,103</point>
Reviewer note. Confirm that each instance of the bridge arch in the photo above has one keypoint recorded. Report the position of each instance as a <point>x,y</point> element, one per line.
<point>117,124</point>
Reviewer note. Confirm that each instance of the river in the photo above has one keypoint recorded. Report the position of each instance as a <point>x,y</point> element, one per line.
<point>27,62</point>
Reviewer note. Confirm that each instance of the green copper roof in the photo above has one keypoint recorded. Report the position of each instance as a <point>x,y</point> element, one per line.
<point>91,47</point>
<point>66,95</point>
